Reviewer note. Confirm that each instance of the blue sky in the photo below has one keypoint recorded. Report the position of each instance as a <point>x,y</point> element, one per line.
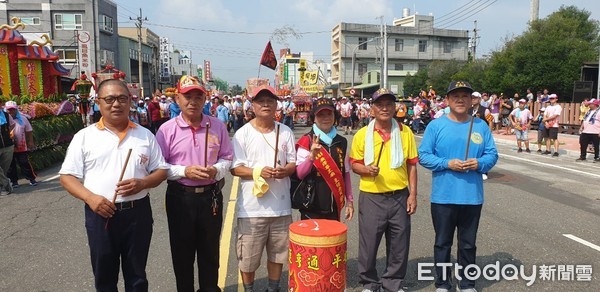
<point>232,34</point>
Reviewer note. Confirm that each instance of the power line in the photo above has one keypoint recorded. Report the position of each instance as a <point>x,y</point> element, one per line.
<point>467,16</point>
<point>465,13</point>
<point>228,31</point>
<point>449,14</point>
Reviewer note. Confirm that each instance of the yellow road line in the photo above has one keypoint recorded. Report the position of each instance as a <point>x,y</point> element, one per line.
<point>227,232</point>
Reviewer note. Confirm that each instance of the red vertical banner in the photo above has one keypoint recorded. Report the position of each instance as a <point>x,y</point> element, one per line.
<point>268,58</point>
<point>207,72</point>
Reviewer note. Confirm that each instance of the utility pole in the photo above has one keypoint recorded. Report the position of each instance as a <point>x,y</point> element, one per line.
<point>474,41</point>
<point>139,21</point>
<point>382,51</point>
<point>385,57</point>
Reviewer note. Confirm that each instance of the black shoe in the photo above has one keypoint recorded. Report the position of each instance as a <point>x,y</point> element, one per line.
<point>580,159</point>
<point>539,151</point>
<point>555,154</point>
<point>596,160</point>
<point>546,152</point>
<point>520,150</point>
<point>527,150</point>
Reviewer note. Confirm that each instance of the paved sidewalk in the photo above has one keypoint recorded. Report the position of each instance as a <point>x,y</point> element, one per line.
<point>569,144</point>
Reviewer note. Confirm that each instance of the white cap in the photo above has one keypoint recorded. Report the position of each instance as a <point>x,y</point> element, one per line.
<point>476,93</point>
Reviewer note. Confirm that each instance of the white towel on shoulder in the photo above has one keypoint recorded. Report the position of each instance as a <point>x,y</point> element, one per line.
<point>397,154</point>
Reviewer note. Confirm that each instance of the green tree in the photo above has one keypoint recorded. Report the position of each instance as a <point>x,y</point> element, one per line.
<point>221,84</point>
<point>548,55</point>
<point>236,89</point>
<point>413,84</point>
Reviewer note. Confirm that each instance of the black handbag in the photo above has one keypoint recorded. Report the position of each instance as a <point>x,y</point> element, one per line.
<point>302,192</point>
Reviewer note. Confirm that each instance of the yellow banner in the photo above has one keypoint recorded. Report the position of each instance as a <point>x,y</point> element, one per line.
<point>313,88</point>
<point>30,77</point>
<point>4,71</point>
<point>311,77</point>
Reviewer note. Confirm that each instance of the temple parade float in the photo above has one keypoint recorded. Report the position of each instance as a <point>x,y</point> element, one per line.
<point>30,75</point>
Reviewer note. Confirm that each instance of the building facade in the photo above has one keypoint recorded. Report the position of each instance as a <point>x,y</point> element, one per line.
<point>300,70</point>
<point>129,63</point>
<point>70,24</point>
<point>412,43</point>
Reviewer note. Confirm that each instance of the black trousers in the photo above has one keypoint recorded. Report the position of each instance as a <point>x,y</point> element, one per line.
<point>584,140</point>
<point>127,240</point>
<point>446,219</point>
<point>22,159</point>
<point>194,233</point>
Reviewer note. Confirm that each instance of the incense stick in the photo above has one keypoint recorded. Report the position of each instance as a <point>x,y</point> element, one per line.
<point>206,145</point>
<point>276,145</point>
<point>469,136</point>
<point>380,151</point>
<point>114,199</point>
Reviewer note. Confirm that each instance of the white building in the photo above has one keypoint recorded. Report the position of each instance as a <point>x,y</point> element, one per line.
<point>413,43</point>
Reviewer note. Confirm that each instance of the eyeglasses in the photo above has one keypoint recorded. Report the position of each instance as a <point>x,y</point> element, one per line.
<point>111,99</point>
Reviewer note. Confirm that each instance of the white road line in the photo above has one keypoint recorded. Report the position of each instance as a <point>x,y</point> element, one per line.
<point>582,241</point>
<point>550,165</point>
<point>52,178</point>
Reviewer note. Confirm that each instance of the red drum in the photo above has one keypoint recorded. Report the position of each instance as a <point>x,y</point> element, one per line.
<point>317,255</point>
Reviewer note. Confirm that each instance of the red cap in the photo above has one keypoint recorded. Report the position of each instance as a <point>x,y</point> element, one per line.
<point>266,89</point>
<point>187,83</point>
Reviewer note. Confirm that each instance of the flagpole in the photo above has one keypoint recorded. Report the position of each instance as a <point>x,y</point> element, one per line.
<point>259,65</point>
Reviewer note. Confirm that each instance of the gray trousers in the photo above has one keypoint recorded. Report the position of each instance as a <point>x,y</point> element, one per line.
<point>6,155</point>
<point>381,214</point>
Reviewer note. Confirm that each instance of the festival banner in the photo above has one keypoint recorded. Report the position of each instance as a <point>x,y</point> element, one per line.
<point>86,61</point>
<point>31,77</point>
<point>268,58</point>
<point>311,77</point>
<point>4,71</point>
<point>253,83</point>
<point>313,88</point>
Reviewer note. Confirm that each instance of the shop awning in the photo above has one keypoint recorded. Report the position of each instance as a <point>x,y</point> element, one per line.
<point>332,86</point>
<point>364,86</point>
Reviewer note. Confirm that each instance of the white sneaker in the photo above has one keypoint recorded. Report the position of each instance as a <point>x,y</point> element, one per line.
<point>484,176</point>
<point>441,290</point>
<point>467,290</point>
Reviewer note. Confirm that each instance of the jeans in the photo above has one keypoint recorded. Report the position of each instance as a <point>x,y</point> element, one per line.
<point>447,218</point>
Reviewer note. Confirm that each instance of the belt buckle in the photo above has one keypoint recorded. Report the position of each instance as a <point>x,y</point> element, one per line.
<point>199,190</point>
<point>125,205</point>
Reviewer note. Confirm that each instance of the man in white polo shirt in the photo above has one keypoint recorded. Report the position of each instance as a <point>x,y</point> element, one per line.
<point>96,155</point>
<point>551,116</point>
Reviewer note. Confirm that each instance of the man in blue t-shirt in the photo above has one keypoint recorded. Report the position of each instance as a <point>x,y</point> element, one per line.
<point>457,184</point>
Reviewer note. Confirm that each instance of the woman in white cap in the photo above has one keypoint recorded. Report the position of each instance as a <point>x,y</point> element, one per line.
<point>23,137</point>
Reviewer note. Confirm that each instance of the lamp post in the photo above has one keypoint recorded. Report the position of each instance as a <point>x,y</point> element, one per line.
<point>354,57</point>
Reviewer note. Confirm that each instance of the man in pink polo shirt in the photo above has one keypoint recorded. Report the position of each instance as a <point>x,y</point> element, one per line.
<point>194,200</point>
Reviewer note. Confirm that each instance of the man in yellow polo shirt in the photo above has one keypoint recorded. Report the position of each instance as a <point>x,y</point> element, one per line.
<point>384,154</point>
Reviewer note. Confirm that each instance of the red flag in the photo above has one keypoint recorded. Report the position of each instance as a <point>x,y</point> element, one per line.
<point>268,57</point>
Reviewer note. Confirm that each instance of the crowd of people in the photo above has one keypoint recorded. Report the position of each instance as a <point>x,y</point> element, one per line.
<point>193,151</point>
